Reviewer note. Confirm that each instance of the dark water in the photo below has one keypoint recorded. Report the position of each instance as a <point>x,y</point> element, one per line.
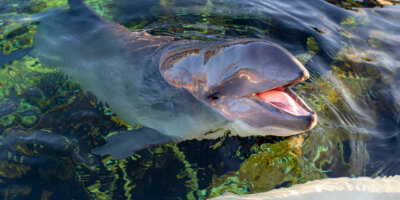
<point>48,125</point>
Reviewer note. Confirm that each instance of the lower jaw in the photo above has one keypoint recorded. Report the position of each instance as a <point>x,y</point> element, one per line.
<point>244,129</point>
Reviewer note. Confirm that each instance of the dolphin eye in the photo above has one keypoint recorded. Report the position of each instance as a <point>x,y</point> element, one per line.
<point>215,96</point>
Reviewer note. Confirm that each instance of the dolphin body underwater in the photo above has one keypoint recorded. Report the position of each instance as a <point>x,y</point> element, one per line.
<point>177,90</point>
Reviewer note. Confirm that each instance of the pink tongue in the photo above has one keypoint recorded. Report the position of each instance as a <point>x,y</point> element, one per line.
<point>282,100</point>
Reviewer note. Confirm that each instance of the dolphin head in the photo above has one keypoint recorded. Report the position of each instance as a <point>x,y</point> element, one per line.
<point>247,81</point>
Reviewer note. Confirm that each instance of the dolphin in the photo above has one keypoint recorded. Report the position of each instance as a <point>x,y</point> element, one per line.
<point>177,89</point>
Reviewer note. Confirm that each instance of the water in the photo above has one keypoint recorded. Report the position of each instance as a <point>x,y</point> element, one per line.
<point>49,125</point>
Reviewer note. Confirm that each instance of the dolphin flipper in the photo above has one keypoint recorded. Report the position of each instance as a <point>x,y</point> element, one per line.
<point>124,144</point>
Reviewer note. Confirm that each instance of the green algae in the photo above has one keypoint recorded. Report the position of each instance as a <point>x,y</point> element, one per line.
<point>9,170</point>
<point>270,165</point>
<point>293,160</point>
<point>17,36</point>
<point>19,114</point>
<point>312,46</point>
<point>18,76</point>
<point>312,49</point>
<point>357,4</point>
<point>192,182</point>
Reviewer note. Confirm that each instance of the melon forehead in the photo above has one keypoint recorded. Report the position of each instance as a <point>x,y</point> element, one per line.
<point>218,62</point>
<point>235,68</point>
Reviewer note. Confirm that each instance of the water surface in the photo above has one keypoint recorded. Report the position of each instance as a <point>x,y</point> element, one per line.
<point>48,125</point>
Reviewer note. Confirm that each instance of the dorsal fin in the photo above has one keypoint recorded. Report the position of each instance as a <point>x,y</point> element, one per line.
<point>74,4</point>
<point>66,29</point>
<point>79,8</point>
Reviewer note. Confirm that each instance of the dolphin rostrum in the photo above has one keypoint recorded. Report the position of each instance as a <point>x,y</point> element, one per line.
<point>178,90</point>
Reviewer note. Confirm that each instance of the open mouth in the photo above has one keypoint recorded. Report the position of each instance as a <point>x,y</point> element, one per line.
<point>286,100</point>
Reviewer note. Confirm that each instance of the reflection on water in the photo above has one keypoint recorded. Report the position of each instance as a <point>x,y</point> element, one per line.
<point>48,125</point>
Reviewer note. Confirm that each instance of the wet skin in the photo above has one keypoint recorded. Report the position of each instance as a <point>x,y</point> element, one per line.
<point>178,90</point>
<point>245,80</point>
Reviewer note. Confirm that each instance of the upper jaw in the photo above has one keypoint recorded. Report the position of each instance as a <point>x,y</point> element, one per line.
<point>256,74</point>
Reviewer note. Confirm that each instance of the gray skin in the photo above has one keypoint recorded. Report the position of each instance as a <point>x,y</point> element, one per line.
<point>178,90</point>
